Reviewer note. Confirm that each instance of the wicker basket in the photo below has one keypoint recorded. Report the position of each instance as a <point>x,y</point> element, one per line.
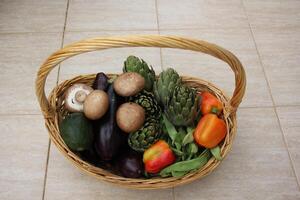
<point>53,110</point>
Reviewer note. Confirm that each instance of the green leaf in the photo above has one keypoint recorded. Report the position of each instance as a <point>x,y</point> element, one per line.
<point>188,137</point>
<point>190,151</point>
<point>186,166</point>
<point>216,152</point>
<point>178,174</point>
<point>172,132</point>
<point>193,148</point>
<point>179,137</point>
<point>177,145</point>
<point>177,152</point>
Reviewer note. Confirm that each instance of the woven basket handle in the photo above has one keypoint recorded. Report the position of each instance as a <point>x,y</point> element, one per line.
<point>101,43</point>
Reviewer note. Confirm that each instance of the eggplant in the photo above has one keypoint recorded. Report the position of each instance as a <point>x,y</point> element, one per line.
<point>130,164</point>
<point>109,137</point>
<point>90,156</point>
<point>100,82</point>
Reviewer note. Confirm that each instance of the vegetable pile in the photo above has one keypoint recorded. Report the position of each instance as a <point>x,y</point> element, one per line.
<point>137,125</point>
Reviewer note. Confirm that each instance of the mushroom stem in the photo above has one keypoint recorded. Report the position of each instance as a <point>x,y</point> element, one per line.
<point>80,96</point>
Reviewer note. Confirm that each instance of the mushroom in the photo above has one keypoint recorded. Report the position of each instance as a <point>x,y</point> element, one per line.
<point>96,104</point>
<point>75,96</point>
<point>129,84</point>
<point>130,117</point>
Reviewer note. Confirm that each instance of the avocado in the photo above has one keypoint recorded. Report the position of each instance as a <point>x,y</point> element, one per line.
<point>77,132</point>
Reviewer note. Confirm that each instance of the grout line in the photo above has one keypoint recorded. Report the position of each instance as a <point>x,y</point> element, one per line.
<point>27,32</point>
<point>158,29</point>
<point>157,19</point>
<point>162,29</point>
<point>277,106</point>
<point>131,30</point>
<point>22,114</point>
<point>285,143</point>
<point>254,107</point>
<point>272,98</point>
<point>57,80</point>
<point>173,193</point>
<point>259,57</point>
<point>124,30</point>
<point>119,30</point>
<point>78,31</point>
<point>46,170</point>
<point>287,106</point>
<point>161,60</point>
<point>63,38</point>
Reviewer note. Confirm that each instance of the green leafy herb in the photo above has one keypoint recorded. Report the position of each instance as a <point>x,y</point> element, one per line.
<point>216,152</point>
<point>188,137</point>
<point>179,138</point>
<point>172,132</point>
<point>192,148</point>
<point>177,152</point>
<point>183,167</point>
<point>178,174</point>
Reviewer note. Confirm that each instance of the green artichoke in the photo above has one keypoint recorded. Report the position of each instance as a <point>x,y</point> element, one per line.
<point>163,88</point>
<point>145,136</point>
<point>182,107</point>
<point>134,64</point>
<point>148,102</point>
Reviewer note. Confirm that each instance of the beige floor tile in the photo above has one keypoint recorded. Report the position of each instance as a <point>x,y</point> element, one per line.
<point>111,15</point>
<point>21,57</point>
<point>64,180</point>
<point>201,14</point>
<point>280,54</point>
<point>269,13</point>
<point>32,15</point>
<point>240,42</point>
<point>290,122</point>
<point>22,157</point>
<point>258,167</point>
<point>110,61</point>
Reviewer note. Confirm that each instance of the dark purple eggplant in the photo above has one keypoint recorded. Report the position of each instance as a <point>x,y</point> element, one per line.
<point>100,82</point>
<point>109,138</point>
<point>130,164</point>
<point>90,156</point>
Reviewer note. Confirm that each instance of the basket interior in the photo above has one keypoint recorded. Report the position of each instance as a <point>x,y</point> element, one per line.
<point>56,101</point>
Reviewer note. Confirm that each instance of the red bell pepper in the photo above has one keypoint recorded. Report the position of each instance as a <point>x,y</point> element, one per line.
<point>210,131</point>
<point>158,156</point>
<point>210,104</point>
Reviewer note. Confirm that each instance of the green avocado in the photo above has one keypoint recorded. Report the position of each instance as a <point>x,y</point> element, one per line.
<point>77,132</point>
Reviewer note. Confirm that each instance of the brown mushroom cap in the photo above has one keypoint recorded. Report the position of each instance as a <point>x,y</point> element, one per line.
<point>130,117</point>
<point>75,96</point>
<point>96,104</point>
<point>129,84</point>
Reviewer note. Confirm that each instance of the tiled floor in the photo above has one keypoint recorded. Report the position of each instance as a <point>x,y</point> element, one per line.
<point>265,35</point>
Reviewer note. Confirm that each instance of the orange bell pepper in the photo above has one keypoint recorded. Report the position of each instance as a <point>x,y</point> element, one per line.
<point>210,131</point>
<point>158,156</point>
<point>210,104</point>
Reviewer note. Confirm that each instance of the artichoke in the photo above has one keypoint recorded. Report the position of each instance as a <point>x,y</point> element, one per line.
<point>163,88</point>
<point>182,107</point>
<point>134,64</point>
<point>148,102</point>
<point>145,136</point>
